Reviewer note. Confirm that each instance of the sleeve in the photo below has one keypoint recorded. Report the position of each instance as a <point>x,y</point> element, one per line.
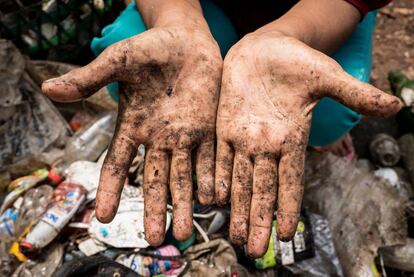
<point>365,6</point>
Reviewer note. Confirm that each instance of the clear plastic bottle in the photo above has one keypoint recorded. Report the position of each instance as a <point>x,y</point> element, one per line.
<point>90,141</point>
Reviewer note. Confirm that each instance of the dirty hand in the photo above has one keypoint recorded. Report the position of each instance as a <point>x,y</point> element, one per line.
<point>169,82</point>
<point>270,85</point>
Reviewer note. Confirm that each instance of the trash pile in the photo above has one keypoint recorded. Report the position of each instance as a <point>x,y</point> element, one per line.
<point>355,222</point>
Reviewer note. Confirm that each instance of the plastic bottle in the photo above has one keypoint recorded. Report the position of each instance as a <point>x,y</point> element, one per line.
<point>404,89</point>
<point>91,140</point>
<point>384,150</point>
<point>67,198</point>
<point>406,143</point>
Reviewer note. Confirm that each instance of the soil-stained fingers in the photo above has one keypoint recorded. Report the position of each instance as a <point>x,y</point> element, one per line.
<point>205,172</point>
<point>290,193</point>
<point>155,195</point>
<point>223,174</point>
<point>241,192</point>
<point>263,204</point>
<point>113,174</point>
<point>181,187</point>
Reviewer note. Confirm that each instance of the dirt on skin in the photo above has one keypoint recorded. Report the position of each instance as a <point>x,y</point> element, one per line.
<point>393,42</point>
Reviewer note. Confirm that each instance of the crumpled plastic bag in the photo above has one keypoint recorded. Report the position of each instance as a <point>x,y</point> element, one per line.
<point>364,213</point>
<point>29,122</point>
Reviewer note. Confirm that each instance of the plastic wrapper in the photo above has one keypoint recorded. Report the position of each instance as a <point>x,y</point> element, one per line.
<point>364,212</point>
<point>163,260</point>
<point>325,262</point>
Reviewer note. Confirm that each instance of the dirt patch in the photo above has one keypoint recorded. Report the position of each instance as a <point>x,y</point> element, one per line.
<point>393,42</point>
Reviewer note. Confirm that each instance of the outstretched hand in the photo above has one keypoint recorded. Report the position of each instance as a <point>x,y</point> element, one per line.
<point>169,81</point>
<point>270,85</point>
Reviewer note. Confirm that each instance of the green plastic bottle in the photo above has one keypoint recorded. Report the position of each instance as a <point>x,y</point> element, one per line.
<point>404,89</point>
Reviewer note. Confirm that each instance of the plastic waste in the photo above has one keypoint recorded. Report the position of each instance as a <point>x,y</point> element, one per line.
<point>80,119</point>
<point>26,210</point>
<point>218,221</point>
<point>90,141</point>
<point>213,258</point>
<point>126,230</point>
<point>286,253</point>
<point>393,179</point>
<point>44,265</point>
<point>165,260</point>
<point>86,173</point>
<point>363,212</point>
<point>325,262</point>
<point>400,257</point>
<point>29,122</point>
<point>404,89</point>
<point>384,150</point>
<point>406,144</point>
<point>67,199</point>
<point>91,247</point>
<point>22,184</point>
<point>7,223</point>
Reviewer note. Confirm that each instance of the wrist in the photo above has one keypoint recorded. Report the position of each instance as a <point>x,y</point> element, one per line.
<point>317,23</point>
<point>176,13</point>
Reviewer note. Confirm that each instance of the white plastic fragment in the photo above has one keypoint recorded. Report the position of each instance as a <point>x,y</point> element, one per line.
<point>126,230</point>
<point>91,247</point>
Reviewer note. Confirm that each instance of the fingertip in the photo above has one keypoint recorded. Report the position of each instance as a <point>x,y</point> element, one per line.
<point>256,252</point>
<point>238,231</point>
<point>106,206</point>
<point>182,233</point>
<point>60,90</point>
<point>154,235</point>
<point>258,242</point>
<point>286,225</point>
<point>104,215</point>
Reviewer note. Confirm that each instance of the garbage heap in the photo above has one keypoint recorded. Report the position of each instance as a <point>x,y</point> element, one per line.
<point>354,221</point>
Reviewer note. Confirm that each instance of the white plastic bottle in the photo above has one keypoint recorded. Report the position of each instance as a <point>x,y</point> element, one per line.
<point>67,198</point>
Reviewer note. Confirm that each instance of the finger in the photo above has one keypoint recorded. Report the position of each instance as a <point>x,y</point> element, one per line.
<point>241,192</point>
<point>224,168</point>
<point>113,174</point>
<point>291,167</point>
<point>263,204</point>
<point>359,96</point>
<point>85,81</point>
<point>205,172</point>
<point>182,194</point>
<point>155,195</point>
<point>349,144</point>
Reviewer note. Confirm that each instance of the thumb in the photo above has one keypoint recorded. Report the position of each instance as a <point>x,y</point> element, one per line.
<point>85,81</point>
<point>361,97</point>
